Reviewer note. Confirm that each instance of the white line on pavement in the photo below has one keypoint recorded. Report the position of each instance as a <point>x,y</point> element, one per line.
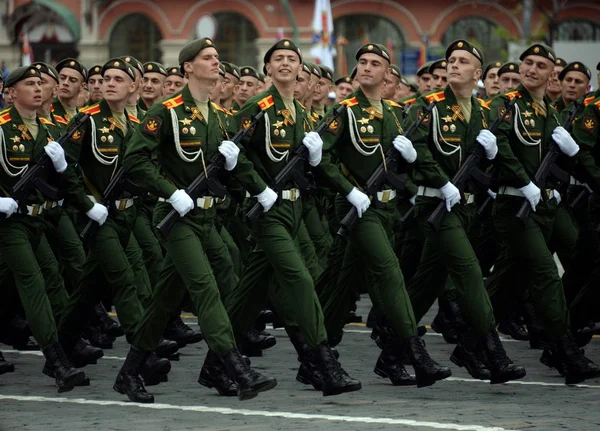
<point>261,413</point>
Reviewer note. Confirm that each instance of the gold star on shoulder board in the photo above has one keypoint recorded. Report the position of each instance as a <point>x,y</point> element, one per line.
<point>186,121</point>
<point>447,119</point>
<point>104,130</point>
<point>278,124</point>
<point>16,139</point>
<point>363,121</point>
<point>527,114</point>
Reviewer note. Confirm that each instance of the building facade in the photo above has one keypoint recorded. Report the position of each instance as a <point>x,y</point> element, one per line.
<point>95,30</point>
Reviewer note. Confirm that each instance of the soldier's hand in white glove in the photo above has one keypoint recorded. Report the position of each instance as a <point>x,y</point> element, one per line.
<point>8,206</point>
<point>98,213</point>
<point>182,202</point>
<point>230,151</point>
<point>405,147</point>
<point>360,201</point>
<point>488,141</point>
<point>451,195</point>
<point>565,141</point>
<point>314,143</point>
<point>57,155</point>
<point>267,198</point>
<point>532,194</point>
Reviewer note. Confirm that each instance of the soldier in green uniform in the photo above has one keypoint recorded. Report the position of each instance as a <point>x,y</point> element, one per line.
<point>94,84</point>
<point>343,87</point>
<point>523,140</point>
<point>71,76</point>
<point>321,91</point>
<point>232,79</point>
<point>554,88</point>
<point>438,74</point>
<point>183,134</point>
<point>404,89</point>
<point>424,86</point>
<point>132,105</point>
<point>174,82</point>
<point>248,85</point>
<point>152,83</point>
<point>490,79</point>
<point>509,77</point>
<point>24,248</point>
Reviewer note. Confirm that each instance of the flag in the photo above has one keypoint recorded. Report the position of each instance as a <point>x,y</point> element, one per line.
<point>27,53</point>
<point>322,43</point>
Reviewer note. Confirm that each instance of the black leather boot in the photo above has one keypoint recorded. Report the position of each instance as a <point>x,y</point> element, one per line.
<point>472,360</point>
<point>154,370</point>
<point>576,366</point>
<point>166,348</point>
<point>550,359</point>
<point>66,376</point>
<point>264,317</point>
<point>106,324</point>
<point>129,381</point>
<point>83,354</point>
<point>389,366</point>
<point>5,367</point>
<point>213,375</point>
<point>501,367</point>
<point>309,372</point>
<point>443,323</point>
<point>427,371</point>
<point>249,382</point>
<point>261,339</point>
<point>335,380</point>
<point>181,333</point>
<point>97,338</point>
<point>512,326</point>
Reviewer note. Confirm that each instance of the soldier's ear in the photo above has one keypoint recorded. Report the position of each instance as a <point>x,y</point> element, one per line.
<point>187,67</point>
<point>268,67</point>
<point>478,73</point>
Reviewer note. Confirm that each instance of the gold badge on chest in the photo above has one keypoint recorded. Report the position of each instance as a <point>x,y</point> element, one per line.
<point>24,132</point>
<point>373,113</point>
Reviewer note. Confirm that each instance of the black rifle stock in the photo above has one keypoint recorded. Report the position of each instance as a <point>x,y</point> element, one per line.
<point>34,177</point>
<point>207,181</point>
<point>548,166</point>
<point>380,175</point>
<point>469,170</point>
<point>292,168</point>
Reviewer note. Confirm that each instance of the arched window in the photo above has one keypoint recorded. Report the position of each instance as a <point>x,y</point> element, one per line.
<point>361,29</point>
<point>136,35</point>
<point>482,33</point>
<point>235,39</point>
<point>578,30</point>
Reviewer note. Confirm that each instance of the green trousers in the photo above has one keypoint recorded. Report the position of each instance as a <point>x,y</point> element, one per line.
<point>191,245</point>
<point>308,251</point>
<point>23,249</point>
<point>277,255</point>
<point>319,235</point>
<point>151,250</point>
<point>527,263</point>
<point>233,249</point>
<point>448,253</point>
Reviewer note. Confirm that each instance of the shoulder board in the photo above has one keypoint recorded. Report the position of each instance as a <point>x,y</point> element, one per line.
<point>350,102</point>
<point>218,107</point>
<point>512,94</point>
<point>4,117</point>
<point>46,121</point>
<point>392,103</point>
<point>265,103</point>
<point>92,110</point>
<point>174,102</point>
<point>315,115</point>
<point>484,103</point>
<point>588,100</point>
<point>436,97</point>
<point>133,119</point>
<point>409,102</point>
<point>60,119</point>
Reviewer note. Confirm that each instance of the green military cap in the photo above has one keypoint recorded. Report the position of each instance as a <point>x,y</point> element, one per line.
<point>343,79</point>
<point>306,67</point>
<point>94,70</point>
<point>262,77</point>
<point>404,81</point>
<point>326,72</point>
<point>134,62</point>
<point>463,45</point>
<point>21,73</point>
<point>71,63</point>
<point>154,67</point>
<point>282,44</point>
<point>120,64</point>
<point>192,49</point>
<point>560,62</point>
<point>374,48</point>
<point>541,50</point>
<point>576,66</point>
<point>353,73</point>
<point>315,70</point>
<point>47,69</point>
<point>248,71</point>
<point>222,70</point>
<point>174,71</point>
<point>438,64</point>
<point>508,67</point>
<point>424,68</point>
<point>395,70</point>
<point>489,67</point>
<point>413,88</point>
<point>231,69</point>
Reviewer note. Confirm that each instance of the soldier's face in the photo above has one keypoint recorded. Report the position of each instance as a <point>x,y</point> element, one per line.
<point>284,66</point>
<point>390,83</point>
<point>342,91</point>
<point>215,93</point>
<point>463,69</point>
<point>535,71</point>
<point>48,87</point>
<point>69,83</point>
<point>95,87</point>
<point>117,85</point>
<point>152,85</point>
<point>574,85</point>
<point>27,93</point>
<point>371,70</point>
<point>301,87</point>
<point>509,81</point>
<point>247,88</point>
<point>439,79</point>
<point>83,97</point>
<point>322,90</point>
<point>492,82</point>
<point>174,83</point>
<point>424,83</point>
<point>229,86</point>
<point>554,85</point>
<point>204,66</point>
<point>402,91</point>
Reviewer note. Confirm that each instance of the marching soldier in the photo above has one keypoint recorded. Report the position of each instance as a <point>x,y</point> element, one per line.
<point>72,76</point>
<point>94,83</point>
<point>490,78</point>
<point>553,91</point>
<point>174,82</point>
<point>248,86</point>
<point>403,89</point>
<point>438,74</point>
<point>132,105</point>
<point>152,84</point>
<point>509,77</point>
<point>321,91</point>
<point>343,87</point>
<point>232,79</point>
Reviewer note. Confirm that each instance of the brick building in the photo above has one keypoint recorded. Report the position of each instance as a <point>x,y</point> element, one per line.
<point>95,30</point>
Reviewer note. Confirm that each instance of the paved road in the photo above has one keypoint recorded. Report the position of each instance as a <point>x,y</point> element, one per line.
<point>28,399</point>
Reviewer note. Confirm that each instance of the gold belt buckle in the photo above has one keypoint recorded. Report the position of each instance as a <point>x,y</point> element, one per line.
<point>122,204</point>
<point>549,193</point>
<point>48,205</point>
<point>36,210</point>
<point>207,202</point>
<point>385,197</point>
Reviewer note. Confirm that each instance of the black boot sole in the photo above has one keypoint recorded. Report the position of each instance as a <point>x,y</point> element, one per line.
<point>407,382</point>
<point>250,393</point>
<point>208,384</point>
<point>500,378</point>
<point>131,397</point>
<point>306,381</point>
<point>47,372</point>
<point>79,379</point>
<point>7,369</point>
<point>424,380</point>
<point>459,363</point>
<point>327,392</point>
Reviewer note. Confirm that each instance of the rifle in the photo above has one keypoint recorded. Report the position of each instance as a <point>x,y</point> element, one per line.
<point>548,166</point>
<point>207,180</point>
<point>115,188</point>
<point>380,175</point>
<point>469,170</point>
<point>292,169</point>
<point>34,177</point>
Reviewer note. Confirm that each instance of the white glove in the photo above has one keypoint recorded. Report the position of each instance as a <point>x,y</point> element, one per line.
<point>556,196</point>
<point>8,206</point>
<point>98,213</point>
<point>492,194</point>
<point>565,142</point>
<point>182,202</point>
<point>413,200</point>
<point>314,143</point>
<point>267,198</point>
<point>405,147</point>
<point>360,201</point>
<point>230,151</point>
<point>451,195</point>
<point>57,155</point>
<point>488,141</point>
<point>532,194</point>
